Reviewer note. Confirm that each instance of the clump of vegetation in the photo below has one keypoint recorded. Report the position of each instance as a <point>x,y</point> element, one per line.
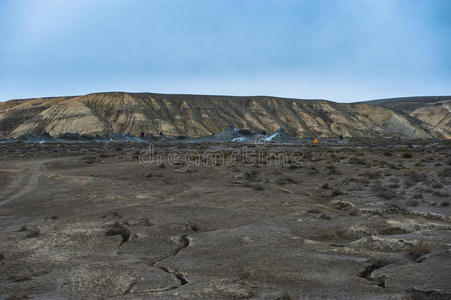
<point>332,170</point>
<point>437,185</point>
<point>162,166</point>
<point>416,251</point>
<point>412,177</point>
<point>251,175</point>
<point>23,228</point>
<point>313,211</point>
<point>440,194</point>
<point>325,217</point>
<point>136,155</point>
<point>357,161</point>
<point>354,212</point>
<point>258,187</point>
<point>359,153</point>
<point>396,209</point>
<point>325,186</point>
<point>285,180</point>
<point>336,192</point>
<point>383,192</point>
<point>193,227</point>
<point>388,153</point>
<point>90,159</point>
<point>413,203</point>
<point>406,155</point>
<point>33,233</point>
<point>372,175</point>
<point>393,185</point>
<point>444,204</point>
<point>146,222</point>
<point>119,229</point>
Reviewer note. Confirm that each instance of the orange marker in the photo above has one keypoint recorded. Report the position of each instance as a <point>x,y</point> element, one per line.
<point>315,141</point>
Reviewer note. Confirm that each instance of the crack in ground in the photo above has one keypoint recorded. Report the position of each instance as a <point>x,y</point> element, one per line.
<point>369,269</point>
<point>180,277</point>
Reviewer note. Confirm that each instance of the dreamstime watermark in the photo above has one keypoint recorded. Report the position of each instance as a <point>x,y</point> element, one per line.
<point>260,153</point>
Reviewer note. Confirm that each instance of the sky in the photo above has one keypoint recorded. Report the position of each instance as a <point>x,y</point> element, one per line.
<point>341,50</point>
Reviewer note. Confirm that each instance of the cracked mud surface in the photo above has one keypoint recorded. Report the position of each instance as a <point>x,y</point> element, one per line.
<point>361,221</point>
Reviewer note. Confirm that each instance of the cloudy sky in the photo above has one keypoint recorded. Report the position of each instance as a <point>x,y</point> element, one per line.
<point>343,50</point>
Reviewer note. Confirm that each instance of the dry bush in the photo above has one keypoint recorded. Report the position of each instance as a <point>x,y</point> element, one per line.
<point>258,187</point>
<point>332,170</point>
<point>406,155</point>
<point>325,186</point>
<point>383,192</point>
<point>285,180</point>
<point>354,212</point>
<point>416,251</point>
<point>336,192</point>
<point>412,203</point>
<point>372,175</point>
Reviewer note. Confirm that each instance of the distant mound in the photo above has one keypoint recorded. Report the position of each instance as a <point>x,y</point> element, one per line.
<point>432,110</point>
<point>145,114</point>
<point>408,104</point>
<point>437,114</point>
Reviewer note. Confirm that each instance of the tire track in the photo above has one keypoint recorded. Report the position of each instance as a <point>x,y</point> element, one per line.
<point>26,183</point>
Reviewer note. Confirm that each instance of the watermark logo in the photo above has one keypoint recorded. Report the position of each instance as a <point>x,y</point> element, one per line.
<point>260,154</point>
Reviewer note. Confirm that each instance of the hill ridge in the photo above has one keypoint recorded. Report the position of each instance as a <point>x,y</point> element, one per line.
<point>196,115</point>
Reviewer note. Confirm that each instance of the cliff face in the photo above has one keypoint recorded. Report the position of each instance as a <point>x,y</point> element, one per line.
<point>197,115</point>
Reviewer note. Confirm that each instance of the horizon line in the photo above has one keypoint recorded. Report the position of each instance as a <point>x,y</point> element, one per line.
<point>225,95</point>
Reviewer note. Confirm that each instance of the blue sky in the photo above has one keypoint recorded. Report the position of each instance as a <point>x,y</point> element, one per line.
<point>343,50</point>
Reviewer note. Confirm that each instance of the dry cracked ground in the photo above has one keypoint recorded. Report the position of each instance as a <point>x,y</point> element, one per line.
<point>352,221</point>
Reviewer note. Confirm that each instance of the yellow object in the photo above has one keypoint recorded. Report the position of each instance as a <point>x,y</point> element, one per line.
<point>315,141</point>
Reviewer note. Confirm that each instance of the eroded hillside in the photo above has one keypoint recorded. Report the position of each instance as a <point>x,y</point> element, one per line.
<point>436,114</point>
<point>197,115</point>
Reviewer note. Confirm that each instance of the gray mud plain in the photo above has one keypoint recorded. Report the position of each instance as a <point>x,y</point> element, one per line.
<point>351,221</point>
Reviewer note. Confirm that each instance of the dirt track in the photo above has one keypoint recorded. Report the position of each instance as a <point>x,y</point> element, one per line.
<point>343,222</point>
